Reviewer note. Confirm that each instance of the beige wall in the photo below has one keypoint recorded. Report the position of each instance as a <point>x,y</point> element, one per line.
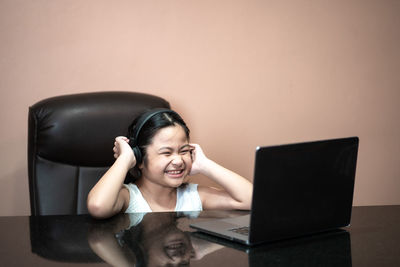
<point>242,73</point>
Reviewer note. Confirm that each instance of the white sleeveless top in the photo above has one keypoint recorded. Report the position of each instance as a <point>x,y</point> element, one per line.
<point>188,199</point>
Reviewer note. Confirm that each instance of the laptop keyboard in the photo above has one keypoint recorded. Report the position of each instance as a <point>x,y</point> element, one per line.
<point>241,230</point>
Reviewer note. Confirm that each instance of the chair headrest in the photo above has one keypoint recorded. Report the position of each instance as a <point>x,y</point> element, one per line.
<point>80,129</point>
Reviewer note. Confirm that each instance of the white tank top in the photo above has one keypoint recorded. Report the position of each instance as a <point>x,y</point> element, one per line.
<point>188,199</point>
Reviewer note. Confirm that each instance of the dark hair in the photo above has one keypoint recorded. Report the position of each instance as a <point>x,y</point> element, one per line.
<point>149,130</point>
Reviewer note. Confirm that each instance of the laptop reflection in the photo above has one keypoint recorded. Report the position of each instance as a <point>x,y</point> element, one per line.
<point>325,249</point>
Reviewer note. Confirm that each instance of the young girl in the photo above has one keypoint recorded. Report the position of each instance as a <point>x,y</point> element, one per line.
<point>157,153</point>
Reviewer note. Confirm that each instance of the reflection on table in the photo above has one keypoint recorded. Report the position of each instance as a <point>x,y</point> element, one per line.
<point>152,239</point>
<point>165,239</point>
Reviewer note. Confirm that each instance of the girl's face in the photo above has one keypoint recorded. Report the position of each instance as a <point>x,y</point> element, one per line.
<point>169,158</point>
<point>164,243</point>
<point>169,247</point>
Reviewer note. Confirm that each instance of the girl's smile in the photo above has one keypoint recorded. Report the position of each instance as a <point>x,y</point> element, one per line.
<point>175,173</point>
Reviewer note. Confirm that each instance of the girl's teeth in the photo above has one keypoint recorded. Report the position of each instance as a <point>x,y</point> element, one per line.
<point>174,172</point>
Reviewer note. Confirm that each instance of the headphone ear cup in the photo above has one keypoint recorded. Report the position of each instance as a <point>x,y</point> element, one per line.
<point>138,154</point>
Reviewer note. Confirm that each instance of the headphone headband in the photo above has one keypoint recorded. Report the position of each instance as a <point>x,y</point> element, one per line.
<point>147,116</point>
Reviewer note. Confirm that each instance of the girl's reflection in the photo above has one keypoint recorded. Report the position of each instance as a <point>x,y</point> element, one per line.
<point>151,239</point>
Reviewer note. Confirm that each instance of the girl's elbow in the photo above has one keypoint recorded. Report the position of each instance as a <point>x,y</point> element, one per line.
<point>98,210</point>
<point>241,205</point>
<point>246,203</point>
<point>245,206</point>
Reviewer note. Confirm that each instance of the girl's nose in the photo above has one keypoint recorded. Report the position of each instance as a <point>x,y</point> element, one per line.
<point>177,160</point>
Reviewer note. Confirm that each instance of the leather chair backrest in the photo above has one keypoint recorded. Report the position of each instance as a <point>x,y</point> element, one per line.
<point>70,141</point>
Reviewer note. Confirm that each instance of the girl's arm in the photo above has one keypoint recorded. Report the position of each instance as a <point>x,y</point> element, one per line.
<point>236,193</point>
<point>102,240</point>
<point>108,197</point>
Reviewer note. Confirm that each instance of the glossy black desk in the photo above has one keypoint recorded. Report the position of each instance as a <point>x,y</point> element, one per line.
<point>373,239</point>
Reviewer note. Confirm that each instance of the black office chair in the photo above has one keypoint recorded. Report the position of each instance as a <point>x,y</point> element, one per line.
<point>70,140</point>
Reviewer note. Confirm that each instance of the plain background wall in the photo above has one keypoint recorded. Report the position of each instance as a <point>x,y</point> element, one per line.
<point>242,73</point>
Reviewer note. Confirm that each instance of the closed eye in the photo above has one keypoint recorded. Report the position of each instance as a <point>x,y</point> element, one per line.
<point>184,152</point>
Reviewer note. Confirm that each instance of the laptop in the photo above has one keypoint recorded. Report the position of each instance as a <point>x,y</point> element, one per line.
<point>298,189</point>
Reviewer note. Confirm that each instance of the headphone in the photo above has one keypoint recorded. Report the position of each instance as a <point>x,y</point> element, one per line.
<point>139,125</point>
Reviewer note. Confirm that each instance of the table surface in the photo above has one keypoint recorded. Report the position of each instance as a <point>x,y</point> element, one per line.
<point>165,239</point>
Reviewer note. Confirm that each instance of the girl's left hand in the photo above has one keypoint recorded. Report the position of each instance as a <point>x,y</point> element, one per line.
<point>198,159</point>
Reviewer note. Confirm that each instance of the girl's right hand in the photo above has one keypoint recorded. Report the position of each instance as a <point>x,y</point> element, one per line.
<point>123,149</point>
